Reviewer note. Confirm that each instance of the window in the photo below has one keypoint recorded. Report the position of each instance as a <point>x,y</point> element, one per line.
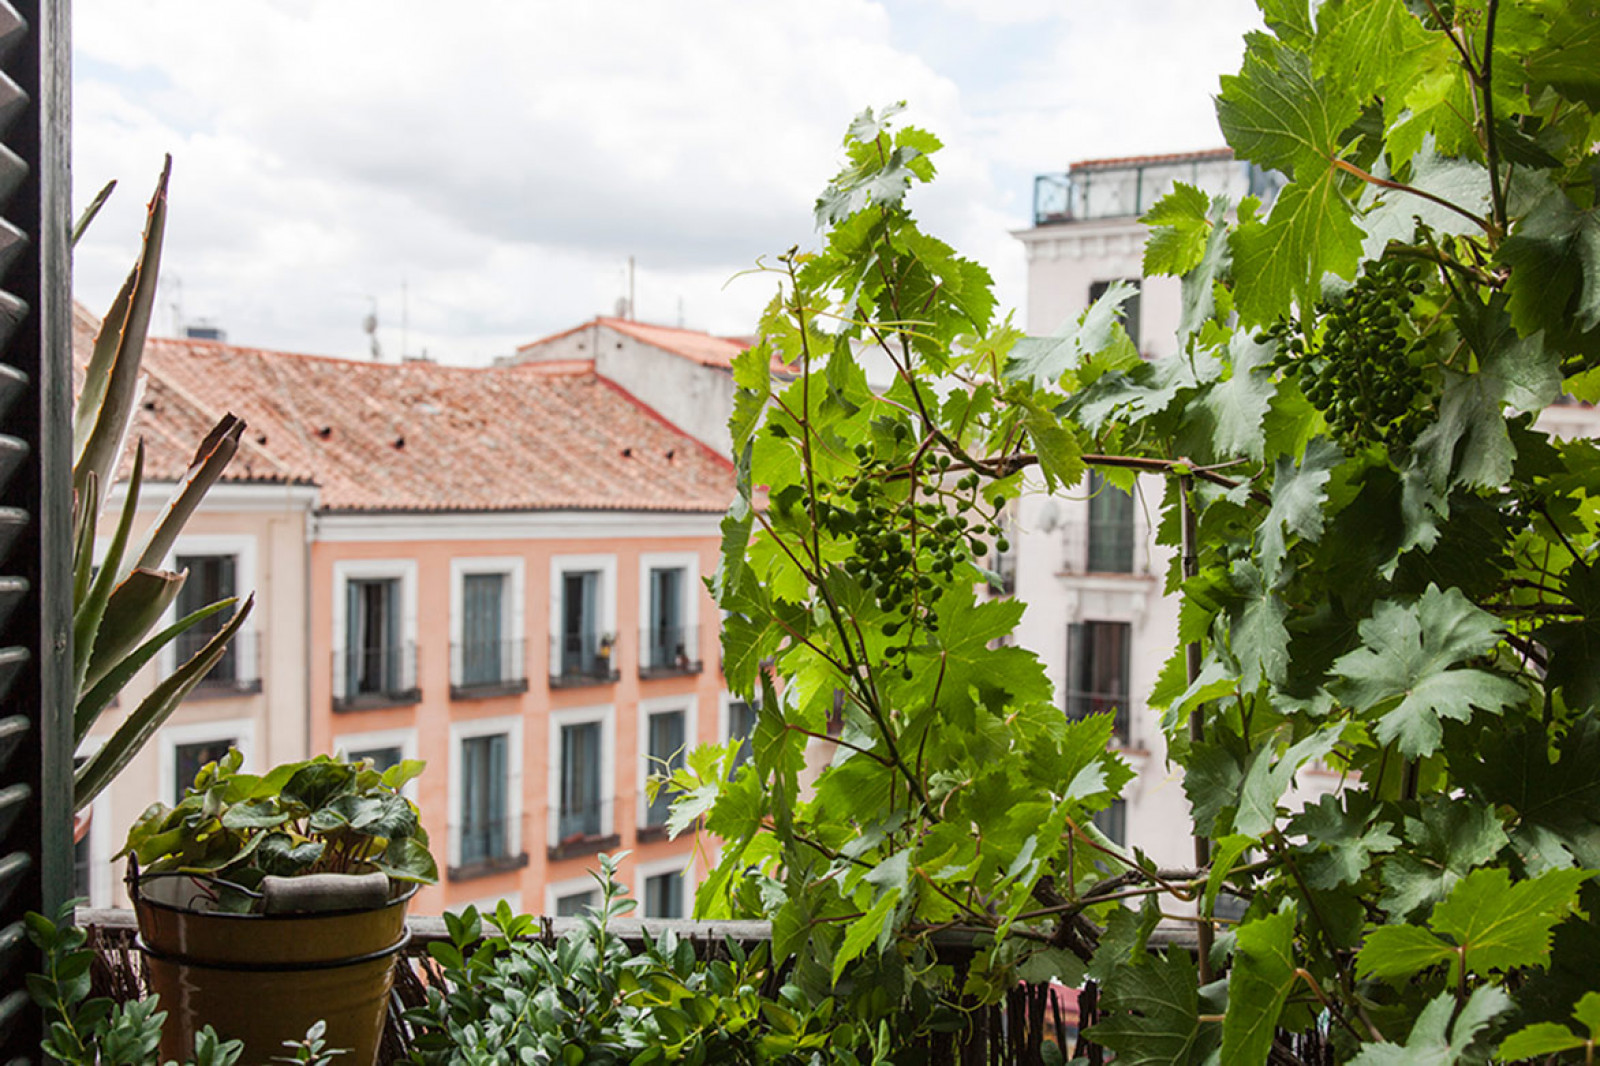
<point>741,727</point>
<point>1130,306</point>
<point>1113,822</point>
<point>667,738</point>
<point>381,758</point>
<point>1097,672</point>
<point>375,618</point>
<point>1110,527</point>
<point>580,781</point>
<point>663,895</point>
<point>189,758</point>
<point>483,798</point>
<point>211,578</point>
<point>482,635</point>
<point>486,605</point>
<point>576,904</point>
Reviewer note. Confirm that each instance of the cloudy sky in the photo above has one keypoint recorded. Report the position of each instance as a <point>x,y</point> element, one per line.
<point>483,169</point>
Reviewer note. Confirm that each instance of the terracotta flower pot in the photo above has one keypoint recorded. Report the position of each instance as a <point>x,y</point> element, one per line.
<point>267,978</point>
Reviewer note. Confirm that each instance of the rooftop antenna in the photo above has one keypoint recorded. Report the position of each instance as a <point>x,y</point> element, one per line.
<point>369,325</point>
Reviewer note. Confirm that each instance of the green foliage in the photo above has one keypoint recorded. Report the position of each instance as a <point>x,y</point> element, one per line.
<point>119,598</point>
<point>512,997</point>
<point>1393,572</point>
<point>323,815</point>
<point>81,1030</point>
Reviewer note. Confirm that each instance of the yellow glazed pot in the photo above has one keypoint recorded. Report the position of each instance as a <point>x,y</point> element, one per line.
<point>267,978</point>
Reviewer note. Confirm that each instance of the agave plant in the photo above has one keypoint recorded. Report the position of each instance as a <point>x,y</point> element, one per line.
<point>120,600</point>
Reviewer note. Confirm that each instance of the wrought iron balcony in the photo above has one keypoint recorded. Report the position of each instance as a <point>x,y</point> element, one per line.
<point>578,659</point>
<point>378,676</point>
<point>487,846</point>
<point>581,828</point>
<point>669,651</point>
<point>481,669</point>
<point>1100,547</point>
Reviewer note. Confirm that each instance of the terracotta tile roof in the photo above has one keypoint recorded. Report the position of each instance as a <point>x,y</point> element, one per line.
<point>707,349</point>
<point>425,437</point>
<point>1209,155</point>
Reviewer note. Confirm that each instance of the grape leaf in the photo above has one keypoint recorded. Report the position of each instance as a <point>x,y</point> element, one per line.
<point>1502,925</point>
<point>1433,1040</point>
<point>1199,288</point>
<point>1392,214</point>
<point>1373,46</point>
<point>1410,653</point>
<point>1258,636</point>
<point>1309,233</point>
<point>1394,951</point>
<point>1150,1014</point>
<point>1179,229</point>
<point>1298,494</point>
<point>1238,404</point>
<point>1042,360</point>
<point>1557,804</point>
<point>1443,846</point>
<point>1569,57</point>
<point>1263,973</point>
<point>1343,839</point>
<point>1266,781</point>
<point>1554,257</point>
<point>1275,113</point>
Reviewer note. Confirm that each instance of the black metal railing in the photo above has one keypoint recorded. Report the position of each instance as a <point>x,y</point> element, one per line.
<point>669,651</point>
<point>1127,189</point>
<point>1103,547</point>
<point>487,667</point>
<point>380,676</point>
<point>1083,704</point>
<point>583,659</point>
<point>237,673</point>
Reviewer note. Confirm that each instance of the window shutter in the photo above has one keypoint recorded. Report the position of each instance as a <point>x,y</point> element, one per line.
<point>36,694</point>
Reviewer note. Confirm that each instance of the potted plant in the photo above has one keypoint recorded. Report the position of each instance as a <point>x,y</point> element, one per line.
<point>266,903</point>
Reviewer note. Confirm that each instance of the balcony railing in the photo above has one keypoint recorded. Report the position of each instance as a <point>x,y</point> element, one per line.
<point>237,673</point>
<point>1096,547</point>
<point>581,829</point>
<point>669,651</point>
<point>1081,705</point>
<point>1130,187</point>
<point>487,847</point>
<point>583,659</point>
<point>479,669</point>
<point>382,676</point>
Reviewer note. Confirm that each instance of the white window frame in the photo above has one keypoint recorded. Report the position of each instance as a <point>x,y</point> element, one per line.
<point>404,739</point>
<point>347,570</point>
<point>511,726</point>
<point>565,564</point>
<point>678,865</point>
<point>513,621</point>
<point>690,706</point>
<point>242,546</point>
<point>606,715</point>
<point>570,887</point>
<point>242,730</point>
<point>689,562</point>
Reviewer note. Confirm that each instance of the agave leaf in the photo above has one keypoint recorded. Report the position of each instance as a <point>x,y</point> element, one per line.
<point>85,521</point>
<point>95,701</point>
<point>142,723</point>
<point>210,460</point>
<point>136,604</point>
<point>92,210</point>
<point>111,384</point>
<point>88,618</point>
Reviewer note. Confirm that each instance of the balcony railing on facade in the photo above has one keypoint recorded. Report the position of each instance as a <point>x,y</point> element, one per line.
<point>1099,547</point>
<point>578,659</point>
<point>485,668</point>
<point>237,673</point>
<point>483,847</point>
<point>582,827</point>
<point>669,651</point>
<point>1128,188</point>
<point>1081,705</point>
<point>380,676</point>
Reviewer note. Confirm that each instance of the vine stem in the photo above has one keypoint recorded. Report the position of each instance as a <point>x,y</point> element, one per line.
<point>1482,223</point>
<point>1197,722</point>
<point>1491,146</point>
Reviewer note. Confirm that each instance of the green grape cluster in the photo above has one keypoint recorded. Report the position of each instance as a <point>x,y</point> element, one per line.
<point>902,549</point>
<point>1361,368</point>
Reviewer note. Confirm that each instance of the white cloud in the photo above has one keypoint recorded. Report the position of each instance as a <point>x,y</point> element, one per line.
<point>504,158</point>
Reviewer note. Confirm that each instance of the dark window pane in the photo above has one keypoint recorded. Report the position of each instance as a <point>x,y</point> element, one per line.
<point>580,781</point>
<point>663,896</point>
<point>483,798</point>
<point>483,599</point>
<point>666,742</point>
<point>211,578</point>
<point>667,643</point>
<point>575,905</point>
<point>741,727</point>
<point>581,650</point>
<point>1113,822</point>
<point>187,759</point>
<point>373,636</point>
<point>1097,671</point>
<point>381,758</point>
<point>1110,527</point>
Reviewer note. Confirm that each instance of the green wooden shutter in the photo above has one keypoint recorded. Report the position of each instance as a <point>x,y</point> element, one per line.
<point>35,499</point>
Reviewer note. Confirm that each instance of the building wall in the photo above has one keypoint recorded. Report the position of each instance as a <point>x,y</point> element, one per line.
<point>696,398</point>
<point>430,551</point>
<point>266,527</point>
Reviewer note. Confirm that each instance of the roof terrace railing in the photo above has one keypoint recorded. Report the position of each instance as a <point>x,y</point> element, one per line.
<point>1128,188</point>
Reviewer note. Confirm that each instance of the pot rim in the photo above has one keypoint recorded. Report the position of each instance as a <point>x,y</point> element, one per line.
<point>412,888</point>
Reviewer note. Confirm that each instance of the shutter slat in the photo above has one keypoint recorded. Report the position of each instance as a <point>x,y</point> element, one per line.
<point>13,384</point>
<point>14,867</point>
